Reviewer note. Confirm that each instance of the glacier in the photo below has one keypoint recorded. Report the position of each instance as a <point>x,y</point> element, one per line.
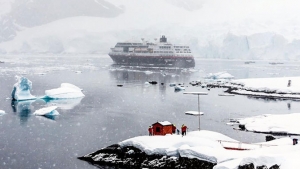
<point>21,89</point>
<point>242,32</point>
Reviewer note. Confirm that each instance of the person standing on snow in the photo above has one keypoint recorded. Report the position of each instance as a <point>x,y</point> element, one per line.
<point>183,130</point>
<point>150,130</point>
<point>173,129</point>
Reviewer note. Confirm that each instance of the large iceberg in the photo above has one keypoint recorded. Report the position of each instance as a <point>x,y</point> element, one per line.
<point>21,90</point>
<point>65,91</point>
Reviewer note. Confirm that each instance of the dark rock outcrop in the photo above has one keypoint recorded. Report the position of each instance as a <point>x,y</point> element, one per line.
<point>131,157</point>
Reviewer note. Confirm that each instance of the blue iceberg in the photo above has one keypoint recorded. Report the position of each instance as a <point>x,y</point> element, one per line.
<point>21,90</point>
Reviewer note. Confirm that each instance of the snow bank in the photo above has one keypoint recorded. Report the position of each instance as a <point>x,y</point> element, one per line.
<point>65,91</point>
<point>206,145</point>
<point>268,123</point>
<point>21,90</point>
<point>272,87</point>
<point>47,111</point>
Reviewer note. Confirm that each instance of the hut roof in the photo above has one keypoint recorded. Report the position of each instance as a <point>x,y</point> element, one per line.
<point>164,123</point>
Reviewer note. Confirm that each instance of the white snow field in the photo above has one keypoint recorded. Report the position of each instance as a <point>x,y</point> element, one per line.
<point>271,123</point>
<point>65,91</point>
<point>21,89</point>
<point>257,29</point>
<point>47,111</point>
<point>275,87</point>
<point>209,146</point>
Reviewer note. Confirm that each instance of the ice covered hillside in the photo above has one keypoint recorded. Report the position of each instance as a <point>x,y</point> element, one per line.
<point>257,29</point>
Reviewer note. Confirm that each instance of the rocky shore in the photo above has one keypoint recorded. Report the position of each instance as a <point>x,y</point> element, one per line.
<point>115,156</point>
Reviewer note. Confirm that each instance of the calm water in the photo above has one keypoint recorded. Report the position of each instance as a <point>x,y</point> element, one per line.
<point>109,114</point>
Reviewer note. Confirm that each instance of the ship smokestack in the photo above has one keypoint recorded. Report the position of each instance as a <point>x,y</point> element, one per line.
<point>163,39</point>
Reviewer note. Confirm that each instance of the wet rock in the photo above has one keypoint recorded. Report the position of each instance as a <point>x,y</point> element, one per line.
<point>153,82</point>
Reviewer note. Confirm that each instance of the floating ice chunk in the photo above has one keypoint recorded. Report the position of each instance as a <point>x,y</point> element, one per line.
<point>148,72</point>
<point>179,88</point>
<point>21,90</point>
<point>65,91</point>
<point>194,113</point>
<point>219,75</point>
<point>78,72</point>
<point>2,112</point>
<point>147,83</point>
<point>48,111</point>
<point>172,84</point>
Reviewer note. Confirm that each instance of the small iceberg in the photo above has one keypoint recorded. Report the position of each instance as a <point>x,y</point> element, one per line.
<point>172,84</point>
<point>21,90</point>
<point>47,111</point>
<point>178,88</point>
<point>2,112</point>
<point>148,72</point>
<point>194,113</point>
<point>65,91</point>
<point>219,75</point>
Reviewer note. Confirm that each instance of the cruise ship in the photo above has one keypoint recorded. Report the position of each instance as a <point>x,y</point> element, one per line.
<point>160,53</point>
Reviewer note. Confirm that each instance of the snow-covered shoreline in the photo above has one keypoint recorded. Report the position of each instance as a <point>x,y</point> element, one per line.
<point>205,146</point>
<point>264,87</point>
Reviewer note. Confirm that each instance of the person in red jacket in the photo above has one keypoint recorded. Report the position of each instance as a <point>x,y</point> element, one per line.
<point>183,130</point>
<point>150,130</point>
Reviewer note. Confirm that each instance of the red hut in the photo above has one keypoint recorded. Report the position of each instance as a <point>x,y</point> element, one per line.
<point>162,128</point>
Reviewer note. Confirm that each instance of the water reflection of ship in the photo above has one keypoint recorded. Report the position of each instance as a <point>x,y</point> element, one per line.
<point>138,74</point>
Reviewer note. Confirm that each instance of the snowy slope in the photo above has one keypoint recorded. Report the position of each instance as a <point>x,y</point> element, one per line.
<point>213,28</point>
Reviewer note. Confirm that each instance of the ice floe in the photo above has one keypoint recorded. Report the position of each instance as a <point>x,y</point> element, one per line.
<point>194,113</point>
<point>47,111</point>
<point>65,91</point>
<point>21,89</point>
<point>280,87</point>
<point>219,75</point>
<point>178,88</point>
<point>271,123</point>
<point>2,112</point>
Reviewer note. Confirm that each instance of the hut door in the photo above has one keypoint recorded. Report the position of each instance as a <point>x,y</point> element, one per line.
<point>157,129</point>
